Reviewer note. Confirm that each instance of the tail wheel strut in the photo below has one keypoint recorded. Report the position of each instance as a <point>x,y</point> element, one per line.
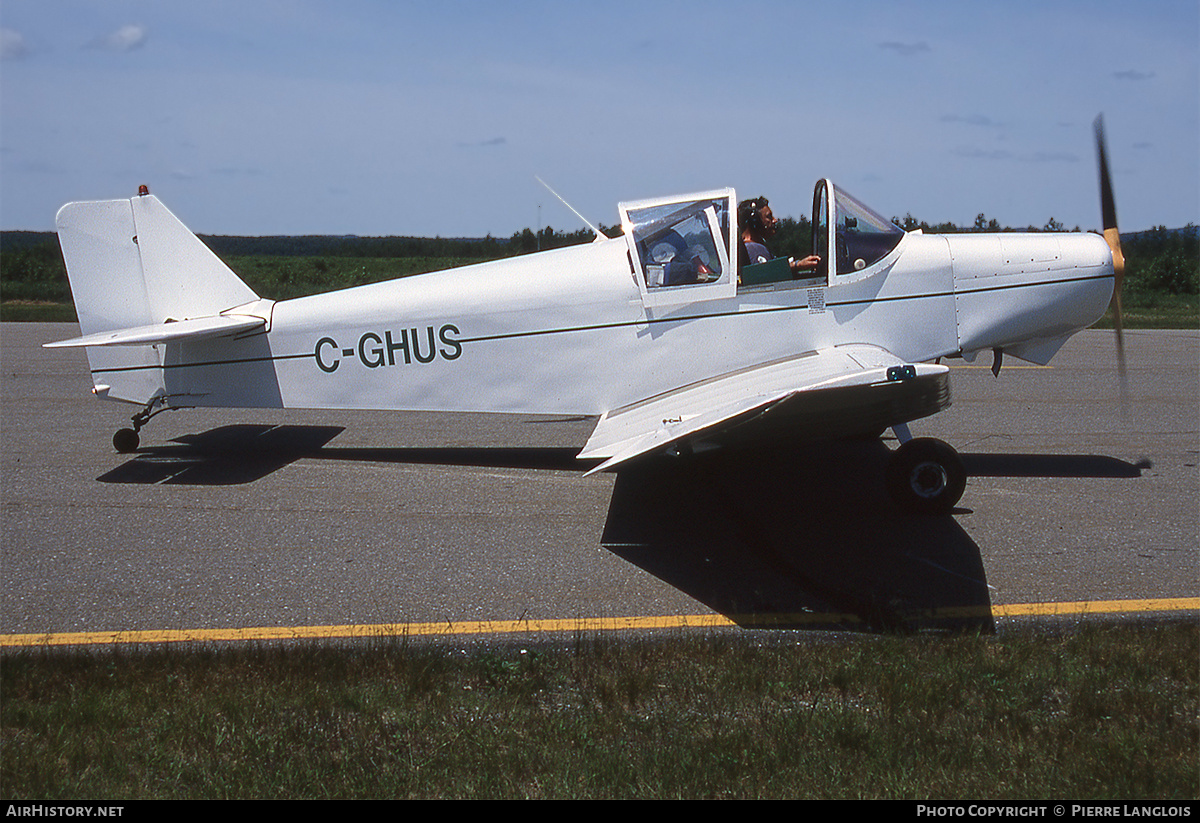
<point>126,441</point>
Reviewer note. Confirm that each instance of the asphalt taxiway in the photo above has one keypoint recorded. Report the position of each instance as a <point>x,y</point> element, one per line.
<point>253,518</point>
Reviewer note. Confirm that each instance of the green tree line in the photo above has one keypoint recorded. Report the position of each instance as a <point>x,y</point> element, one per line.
<point>1159,261</point>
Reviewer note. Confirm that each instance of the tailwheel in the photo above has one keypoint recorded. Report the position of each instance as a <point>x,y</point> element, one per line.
<point>926,475</point>
<point>126,441</point>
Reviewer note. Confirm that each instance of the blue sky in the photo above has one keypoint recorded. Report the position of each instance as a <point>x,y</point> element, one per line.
<point>415,118</point>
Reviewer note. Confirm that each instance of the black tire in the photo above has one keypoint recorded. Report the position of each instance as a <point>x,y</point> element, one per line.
<point>926,476</point>
<point>126,441</point>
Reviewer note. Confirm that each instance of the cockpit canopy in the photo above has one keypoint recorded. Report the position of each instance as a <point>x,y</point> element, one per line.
<point>685,249</point>
<point>680,246</point>
<point>861,237</point>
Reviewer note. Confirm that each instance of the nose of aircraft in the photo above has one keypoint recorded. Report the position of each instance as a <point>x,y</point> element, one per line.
<point>1026,293</point>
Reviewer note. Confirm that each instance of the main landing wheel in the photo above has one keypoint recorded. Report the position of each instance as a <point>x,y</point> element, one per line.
<point>927,476</point>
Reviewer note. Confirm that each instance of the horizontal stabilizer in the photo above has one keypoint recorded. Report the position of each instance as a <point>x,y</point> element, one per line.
<point>198,329</point>
<point>829,393</point>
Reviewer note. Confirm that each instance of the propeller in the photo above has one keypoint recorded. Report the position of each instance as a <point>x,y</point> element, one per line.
<point>1108,209</point>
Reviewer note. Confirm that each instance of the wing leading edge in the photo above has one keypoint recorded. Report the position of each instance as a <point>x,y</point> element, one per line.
<point>835,392</point>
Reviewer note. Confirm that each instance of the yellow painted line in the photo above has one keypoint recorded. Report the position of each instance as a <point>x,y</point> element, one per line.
<point>367,631</point>
<point>1083,608</point>
<point>594,624</point>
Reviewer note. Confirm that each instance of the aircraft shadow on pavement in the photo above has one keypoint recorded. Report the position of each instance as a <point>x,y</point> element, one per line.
<point>232,455</point>
<point>798,536</point>
<point>503,457</point>
<point>807,535</point>
<point>229,455</point>
<point>1050,465</point>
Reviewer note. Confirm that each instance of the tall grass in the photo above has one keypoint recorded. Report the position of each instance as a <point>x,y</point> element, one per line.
<point>1103,711</point>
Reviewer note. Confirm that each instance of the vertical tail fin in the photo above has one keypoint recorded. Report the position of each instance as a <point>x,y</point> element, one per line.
<point>132,263</point>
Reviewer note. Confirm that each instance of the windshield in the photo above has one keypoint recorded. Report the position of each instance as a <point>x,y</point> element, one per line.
<point>863,236</point>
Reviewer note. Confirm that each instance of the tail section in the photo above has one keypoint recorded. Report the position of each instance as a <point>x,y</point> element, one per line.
<point>132,263</point>
<point>133,266</point>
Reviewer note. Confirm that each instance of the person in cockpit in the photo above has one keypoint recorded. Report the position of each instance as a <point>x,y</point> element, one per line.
<point>758,225</point>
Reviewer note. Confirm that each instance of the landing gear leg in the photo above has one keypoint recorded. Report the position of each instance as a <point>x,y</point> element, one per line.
<point>926,475</point>
<point>125,441</point>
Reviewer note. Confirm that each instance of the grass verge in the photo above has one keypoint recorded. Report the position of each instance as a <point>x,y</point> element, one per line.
<point>36,311</point>
<point>1098,711</point>
<point>1162,311</point>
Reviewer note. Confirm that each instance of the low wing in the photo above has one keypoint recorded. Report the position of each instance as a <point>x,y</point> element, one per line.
<point>197,329</point>
<point>835,392</point>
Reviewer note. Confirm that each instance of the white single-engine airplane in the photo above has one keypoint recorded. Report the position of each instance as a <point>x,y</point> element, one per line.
<point>657,332</point>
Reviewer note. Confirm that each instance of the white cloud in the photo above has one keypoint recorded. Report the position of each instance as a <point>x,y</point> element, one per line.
<point>125,39</point>
<point>906,49</point>
<point>12,45</point>
<point>495,141</point>
<point>971,120</point>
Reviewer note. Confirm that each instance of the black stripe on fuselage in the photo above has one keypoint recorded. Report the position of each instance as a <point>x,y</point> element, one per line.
<point>634,323</point>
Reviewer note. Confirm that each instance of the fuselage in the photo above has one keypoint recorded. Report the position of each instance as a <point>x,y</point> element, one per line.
<point>571,330</point>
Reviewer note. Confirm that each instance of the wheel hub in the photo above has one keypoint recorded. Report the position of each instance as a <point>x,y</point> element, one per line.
<point>928,479</point>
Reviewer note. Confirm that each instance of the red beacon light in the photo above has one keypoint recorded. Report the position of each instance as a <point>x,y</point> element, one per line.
<point>143,190</point>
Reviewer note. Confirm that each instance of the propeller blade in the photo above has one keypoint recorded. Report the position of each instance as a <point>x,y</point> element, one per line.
<point>1108,205</point>
<point>1108,211</point>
